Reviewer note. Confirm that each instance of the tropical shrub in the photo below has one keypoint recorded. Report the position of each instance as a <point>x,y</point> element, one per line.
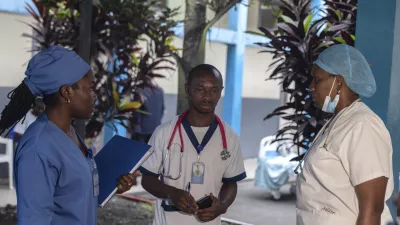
<point>301,34</point>
<point>120,63</point>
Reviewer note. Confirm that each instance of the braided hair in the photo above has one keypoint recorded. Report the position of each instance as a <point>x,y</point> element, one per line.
<point>21,101</point>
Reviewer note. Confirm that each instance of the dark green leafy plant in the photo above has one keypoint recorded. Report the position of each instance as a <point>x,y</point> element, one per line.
<point>119,64</point>
<point>295,44</point>
<point>341,20</point>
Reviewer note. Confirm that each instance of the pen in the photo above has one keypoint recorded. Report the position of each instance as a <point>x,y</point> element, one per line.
<point>188,190</point>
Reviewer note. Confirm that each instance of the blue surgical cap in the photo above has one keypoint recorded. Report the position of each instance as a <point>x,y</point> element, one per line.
<point>52,68</point>
<point>348,62</point>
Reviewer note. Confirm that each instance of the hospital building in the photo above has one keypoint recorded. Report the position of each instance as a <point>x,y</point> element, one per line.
<point>246,108</point>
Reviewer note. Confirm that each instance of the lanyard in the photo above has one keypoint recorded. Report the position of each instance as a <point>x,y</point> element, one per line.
<point>192,136</point>
<point>178,127</point>
<point>88,150</point>
<point>90,153</point>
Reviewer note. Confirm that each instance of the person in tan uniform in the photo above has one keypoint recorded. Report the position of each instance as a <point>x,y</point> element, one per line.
<point>346,175</point>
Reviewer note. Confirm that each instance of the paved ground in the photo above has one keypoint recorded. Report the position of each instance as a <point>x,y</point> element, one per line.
<point>7,196</point>
<point>253,207</point>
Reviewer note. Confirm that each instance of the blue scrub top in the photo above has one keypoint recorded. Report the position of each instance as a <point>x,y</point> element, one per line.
<point>53,179</point>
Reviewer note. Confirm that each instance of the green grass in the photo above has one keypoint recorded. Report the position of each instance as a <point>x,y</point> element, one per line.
<point>146,208</point>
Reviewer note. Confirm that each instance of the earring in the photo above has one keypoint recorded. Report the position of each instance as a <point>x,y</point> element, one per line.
<point>67,101</point>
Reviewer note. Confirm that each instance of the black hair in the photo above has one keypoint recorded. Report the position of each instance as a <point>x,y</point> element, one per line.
<point>21,101</point>
<point>51,99</point>
<point>203,68</point>
<point>38,101</point>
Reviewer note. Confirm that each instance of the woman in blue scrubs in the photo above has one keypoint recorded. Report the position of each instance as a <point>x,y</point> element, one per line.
<point>55,174</point>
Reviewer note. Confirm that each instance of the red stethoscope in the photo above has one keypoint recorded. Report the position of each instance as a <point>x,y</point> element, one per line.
<point>224,154</point>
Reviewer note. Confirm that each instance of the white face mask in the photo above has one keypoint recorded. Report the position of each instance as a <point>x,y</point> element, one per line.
<point>329,106</point>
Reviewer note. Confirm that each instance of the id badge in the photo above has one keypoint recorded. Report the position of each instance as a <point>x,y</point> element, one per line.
<point>95,177</point>
<point>198,169</point>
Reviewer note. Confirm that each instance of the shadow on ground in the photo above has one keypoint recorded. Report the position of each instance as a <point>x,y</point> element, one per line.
<point>253,206</point>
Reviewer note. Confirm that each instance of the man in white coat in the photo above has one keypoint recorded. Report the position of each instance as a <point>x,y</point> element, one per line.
<point>205,157</point>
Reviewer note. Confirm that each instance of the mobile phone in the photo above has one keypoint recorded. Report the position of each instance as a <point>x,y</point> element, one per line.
<point>204,202</point>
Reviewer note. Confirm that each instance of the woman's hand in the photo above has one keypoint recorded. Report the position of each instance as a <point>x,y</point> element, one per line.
<point>126,181</point>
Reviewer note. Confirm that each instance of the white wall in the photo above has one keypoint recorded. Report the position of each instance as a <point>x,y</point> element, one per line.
<point>260,97</point>
<point>255,65</point>
<point>255,71</point>
<point>15,55</point>
<point>14,48</point>
<point>255,74</point>
<point>252,22</point>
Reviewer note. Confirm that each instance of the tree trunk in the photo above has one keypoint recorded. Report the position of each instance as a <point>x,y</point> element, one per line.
<point>195,22</point>
<point>84,46</point>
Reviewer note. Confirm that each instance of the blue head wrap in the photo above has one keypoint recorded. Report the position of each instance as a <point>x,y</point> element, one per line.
<point>52,68</point>
<point>348,62</point>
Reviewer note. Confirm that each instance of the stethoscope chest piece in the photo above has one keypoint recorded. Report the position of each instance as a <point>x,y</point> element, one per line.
<point>225,154</point>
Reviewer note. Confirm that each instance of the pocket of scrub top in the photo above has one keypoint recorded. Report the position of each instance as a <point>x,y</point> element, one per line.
<point>324,153</point>
<point>327,216</point>
<point>321,159</point>
<point>322,217</point>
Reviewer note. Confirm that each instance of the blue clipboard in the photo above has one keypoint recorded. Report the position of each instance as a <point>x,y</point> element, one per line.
<point>119,156</point>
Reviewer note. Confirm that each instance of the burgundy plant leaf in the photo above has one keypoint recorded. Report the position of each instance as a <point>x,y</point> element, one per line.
<point>293,52</point>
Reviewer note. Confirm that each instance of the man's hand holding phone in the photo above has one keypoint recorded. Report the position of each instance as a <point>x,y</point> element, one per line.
<point>210,213</point>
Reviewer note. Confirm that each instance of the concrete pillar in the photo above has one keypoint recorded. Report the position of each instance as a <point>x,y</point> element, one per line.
<point>232,107</point>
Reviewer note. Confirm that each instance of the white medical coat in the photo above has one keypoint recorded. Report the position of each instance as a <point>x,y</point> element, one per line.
<point>217,170</point>
<point>357,150</point>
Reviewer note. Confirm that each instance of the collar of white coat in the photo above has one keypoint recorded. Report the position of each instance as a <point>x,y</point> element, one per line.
<point>333,120</point>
